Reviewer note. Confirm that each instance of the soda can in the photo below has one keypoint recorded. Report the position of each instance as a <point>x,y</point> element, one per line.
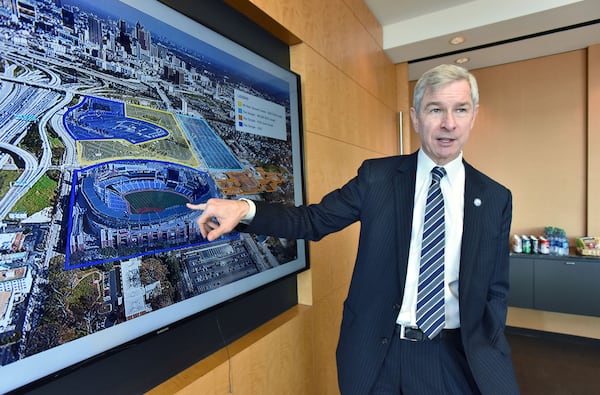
<point>544,245</point>
<point>526,244</point>
<point>516,244</point>
<point>535,249</point>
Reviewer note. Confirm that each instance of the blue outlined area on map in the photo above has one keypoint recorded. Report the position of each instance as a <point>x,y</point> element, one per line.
<point>103,226</point>
<point>216,155</point>
<point>102,119</point>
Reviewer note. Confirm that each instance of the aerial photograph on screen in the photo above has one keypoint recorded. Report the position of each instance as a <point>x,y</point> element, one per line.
<point>110,122</point>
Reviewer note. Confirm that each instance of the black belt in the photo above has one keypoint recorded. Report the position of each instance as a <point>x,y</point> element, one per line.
<point>416,335</point>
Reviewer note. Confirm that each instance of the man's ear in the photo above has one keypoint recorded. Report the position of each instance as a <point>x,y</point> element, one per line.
<point>414,118</point>
<point>475,112</point>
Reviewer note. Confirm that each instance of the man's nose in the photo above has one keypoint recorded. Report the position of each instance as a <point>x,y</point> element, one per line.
<point>448,121</point>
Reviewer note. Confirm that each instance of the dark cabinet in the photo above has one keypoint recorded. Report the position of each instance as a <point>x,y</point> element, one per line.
<point>521,283</point>
<point>551,283</point>
<point>568,286</point>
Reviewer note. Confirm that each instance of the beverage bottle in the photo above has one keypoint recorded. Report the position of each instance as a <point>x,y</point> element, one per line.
<point>565,243</point>
<point>551,236</point>
<point>559,242</point>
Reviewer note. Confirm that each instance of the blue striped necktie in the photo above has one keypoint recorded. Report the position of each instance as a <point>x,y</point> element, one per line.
<point>430,291</point>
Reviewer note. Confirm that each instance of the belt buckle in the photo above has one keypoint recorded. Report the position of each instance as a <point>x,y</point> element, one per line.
<point>403,333</point>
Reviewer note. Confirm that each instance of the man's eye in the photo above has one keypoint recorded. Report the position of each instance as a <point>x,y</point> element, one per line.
<point>434,110</point>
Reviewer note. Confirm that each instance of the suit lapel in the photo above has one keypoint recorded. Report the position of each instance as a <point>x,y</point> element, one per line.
<point>404,190</point>
<point>474,201</point>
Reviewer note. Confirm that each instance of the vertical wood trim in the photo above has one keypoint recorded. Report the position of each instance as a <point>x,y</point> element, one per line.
<point>593,134</point>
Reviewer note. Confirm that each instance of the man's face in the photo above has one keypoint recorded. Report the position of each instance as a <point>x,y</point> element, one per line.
<point>445,120</point>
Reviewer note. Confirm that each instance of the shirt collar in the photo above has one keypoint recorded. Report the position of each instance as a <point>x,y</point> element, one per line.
<point>425,165</point>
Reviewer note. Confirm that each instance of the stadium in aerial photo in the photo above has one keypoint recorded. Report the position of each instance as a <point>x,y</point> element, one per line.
<point>132,208</point>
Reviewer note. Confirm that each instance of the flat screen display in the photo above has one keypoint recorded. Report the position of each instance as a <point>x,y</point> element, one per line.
<point>113,116</point>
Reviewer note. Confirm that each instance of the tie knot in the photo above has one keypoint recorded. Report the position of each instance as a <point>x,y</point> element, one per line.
<point>437,173</point>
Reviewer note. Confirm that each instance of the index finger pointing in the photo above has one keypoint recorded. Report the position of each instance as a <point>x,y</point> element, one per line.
<point>201,206</point>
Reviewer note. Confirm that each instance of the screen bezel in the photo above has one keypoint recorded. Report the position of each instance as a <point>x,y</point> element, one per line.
<point>153,325</point>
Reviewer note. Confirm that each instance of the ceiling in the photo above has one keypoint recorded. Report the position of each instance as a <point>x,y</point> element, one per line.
<point>495,32</point>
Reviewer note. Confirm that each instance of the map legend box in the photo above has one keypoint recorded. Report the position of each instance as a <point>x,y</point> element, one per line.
<point>259,116</point>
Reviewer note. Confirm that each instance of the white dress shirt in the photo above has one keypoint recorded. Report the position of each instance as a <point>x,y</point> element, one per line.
<point>453,189</point>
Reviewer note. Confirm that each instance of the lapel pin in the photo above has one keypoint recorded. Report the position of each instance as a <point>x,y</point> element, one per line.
<point>477,202</point>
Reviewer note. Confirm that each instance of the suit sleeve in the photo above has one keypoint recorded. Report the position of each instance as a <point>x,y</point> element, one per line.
<point>334,212</point>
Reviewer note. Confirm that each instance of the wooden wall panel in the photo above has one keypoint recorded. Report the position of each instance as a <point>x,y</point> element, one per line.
<point>336,106</point>
<point>548,321</point>
<point>531,136</point>
<point>326,328</point>
<point>593,113</point>
<point>332,259</point>
<point>273,359</point>
<point>368,20</point>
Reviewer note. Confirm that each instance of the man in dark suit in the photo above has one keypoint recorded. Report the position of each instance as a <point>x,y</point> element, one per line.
<point>385,346</point>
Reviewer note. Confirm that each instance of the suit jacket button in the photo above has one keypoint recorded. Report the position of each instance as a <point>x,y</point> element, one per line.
<point>396,306</point>
<point>384,340</point>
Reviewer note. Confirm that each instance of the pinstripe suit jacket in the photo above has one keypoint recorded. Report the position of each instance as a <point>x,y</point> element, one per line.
<point>381,197</point>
